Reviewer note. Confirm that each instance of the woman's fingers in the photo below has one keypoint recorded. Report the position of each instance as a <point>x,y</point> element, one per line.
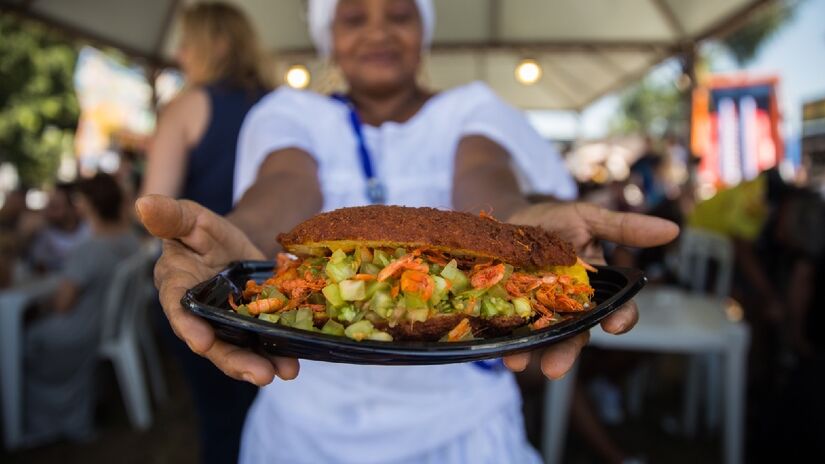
<point>286,368</point>
<point>240,363</point>
<point>517,362</point>
<point>622,320</point>
<point>201,230</point>
<point>627,228</point>
<point>559,358</point>
<point>164,217</point>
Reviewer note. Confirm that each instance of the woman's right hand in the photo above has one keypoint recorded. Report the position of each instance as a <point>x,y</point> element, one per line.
<point>197,244</point>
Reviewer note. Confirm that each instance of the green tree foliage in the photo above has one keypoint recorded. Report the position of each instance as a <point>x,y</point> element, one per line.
<point>652,107</point>
<point>38,106</point>
<point>744,43</point>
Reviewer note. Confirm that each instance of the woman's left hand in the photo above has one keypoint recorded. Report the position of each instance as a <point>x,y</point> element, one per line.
<point>584,225</point>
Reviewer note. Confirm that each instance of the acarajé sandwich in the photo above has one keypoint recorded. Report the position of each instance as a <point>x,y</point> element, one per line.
<point>389,273</point>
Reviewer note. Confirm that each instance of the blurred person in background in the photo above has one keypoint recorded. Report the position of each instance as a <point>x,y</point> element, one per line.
<point>192,156</point>
<point>61,336</point>
<point>298,153</point>
<point>63,230</point>
<point>14,207</point>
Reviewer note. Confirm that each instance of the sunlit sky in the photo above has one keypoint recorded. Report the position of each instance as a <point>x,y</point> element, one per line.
<point>796,53</point>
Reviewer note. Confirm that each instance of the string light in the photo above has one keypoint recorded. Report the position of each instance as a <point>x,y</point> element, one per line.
<point>297,76</point>
<point>528,72</point>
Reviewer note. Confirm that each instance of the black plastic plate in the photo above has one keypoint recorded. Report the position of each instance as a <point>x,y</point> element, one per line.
<point>614,286</point>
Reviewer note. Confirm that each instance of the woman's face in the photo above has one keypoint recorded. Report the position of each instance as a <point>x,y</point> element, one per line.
<point>185,58</point>
<point>377,43</point>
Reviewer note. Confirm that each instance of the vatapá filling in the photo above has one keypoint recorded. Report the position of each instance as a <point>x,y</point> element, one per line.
<point>384,294</point>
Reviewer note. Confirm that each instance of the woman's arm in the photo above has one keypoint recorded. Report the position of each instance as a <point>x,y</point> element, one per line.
<point>286,191</point>
<point>182,124</point>
<point>65,296</point>
<point>483,179</point>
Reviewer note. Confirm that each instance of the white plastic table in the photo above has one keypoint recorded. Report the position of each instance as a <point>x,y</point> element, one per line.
<point>671,320</point>
<point>13,304</point>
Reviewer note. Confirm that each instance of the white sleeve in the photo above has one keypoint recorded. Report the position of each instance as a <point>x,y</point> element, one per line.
<point>268,127</point>
<point>538,165</point>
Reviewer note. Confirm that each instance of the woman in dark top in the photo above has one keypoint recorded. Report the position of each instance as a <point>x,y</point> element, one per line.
<point>192,156</point>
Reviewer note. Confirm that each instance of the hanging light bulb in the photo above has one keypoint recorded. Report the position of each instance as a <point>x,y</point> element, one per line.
<point>297,76</point>
<point>528,72</point>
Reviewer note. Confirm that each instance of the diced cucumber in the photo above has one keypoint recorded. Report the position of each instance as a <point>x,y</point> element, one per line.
<point>332,311</point>
<point>462,304</point>
<point>488,308</point>
<point>338,271</point>
<point>338,256</point>
<point>304,319</point>
<point>458,279</point>
<point>492,306</point>
<point>369,268</point>
<point>269,317</point>
<point>497,291</point>
<point>440,291</point>
<point>505,308</point>
<point>522,307</point>
<point>381,303</point>
<point>374,286</point>
<point>271,292</point>
<point>399,252</point>
<point>333,328</point>
<point>380,258</point>
<point>379,336</point>
<point>333,294</point>
<point>288,318</point>
<point>359,330</point>
<point>414,301</point>
<point>419,315</point>
<point>347,313</point>
<point>353,290</point>
<point>363,254</point>
<point>243,310</point>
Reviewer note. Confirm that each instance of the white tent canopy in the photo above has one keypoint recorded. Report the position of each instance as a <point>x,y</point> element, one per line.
<point>586,48</point>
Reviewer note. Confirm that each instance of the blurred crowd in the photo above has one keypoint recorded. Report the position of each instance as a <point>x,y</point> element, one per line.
<point>776,226</point>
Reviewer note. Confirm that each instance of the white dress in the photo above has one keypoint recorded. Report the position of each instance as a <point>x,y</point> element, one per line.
<point>339,413</point>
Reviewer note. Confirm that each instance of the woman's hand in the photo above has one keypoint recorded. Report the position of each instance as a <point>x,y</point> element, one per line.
<point>196,245</point>
<point>583,225</point>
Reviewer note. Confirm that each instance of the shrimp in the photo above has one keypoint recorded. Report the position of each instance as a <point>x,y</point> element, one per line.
<point>461,330</point>
<point>252,289</point>
<point>485,276</point>
<point>542,322</point>
<point>266,305</point>
<point>417,282</point>
<point>406,262</point>
<point>520,284</point>
<point>296,288</point>
<point>585,265</point>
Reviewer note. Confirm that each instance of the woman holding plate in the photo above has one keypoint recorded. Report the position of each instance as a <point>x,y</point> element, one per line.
<point>387,140</point>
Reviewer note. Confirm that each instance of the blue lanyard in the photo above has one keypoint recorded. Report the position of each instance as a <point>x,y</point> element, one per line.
<point>375,189</point>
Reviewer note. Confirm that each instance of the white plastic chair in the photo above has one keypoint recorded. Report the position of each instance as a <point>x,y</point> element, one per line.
<point>697,250</point>
<point>125,333</point>
<point>673,320</point>
<point>13,303</point>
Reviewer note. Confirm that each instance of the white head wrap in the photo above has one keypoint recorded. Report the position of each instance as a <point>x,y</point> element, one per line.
<point>321,13</point>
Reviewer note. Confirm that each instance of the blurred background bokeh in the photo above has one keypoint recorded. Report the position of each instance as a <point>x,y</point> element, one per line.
<point>710,113</point>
